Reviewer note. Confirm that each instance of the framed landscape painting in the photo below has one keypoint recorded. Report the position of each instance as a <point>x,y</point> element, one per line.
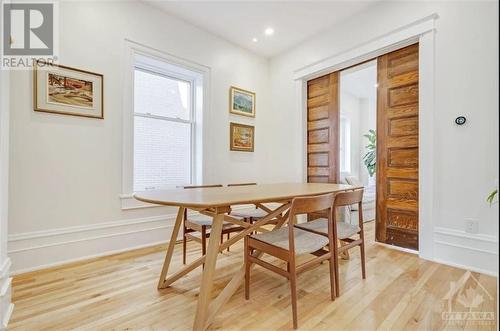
<point>64,90</point>
<point>241,137</point>
<point>241,102</point>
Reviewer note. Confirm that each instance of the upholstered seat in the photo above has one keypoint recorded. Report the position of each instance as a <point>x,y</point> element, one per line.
<point>254,213</point>
<point>201,219</point>
<point>320,225</point>
<point>305,242</point>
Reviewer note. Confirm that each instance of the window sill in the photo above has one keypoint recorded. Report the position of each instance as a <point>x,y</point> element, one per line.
<point>128,202</point>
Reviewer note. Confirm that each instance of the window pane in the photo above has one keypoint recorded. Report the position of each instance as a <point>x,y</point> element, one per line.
<point>161,96</point>
<point>162,153</point>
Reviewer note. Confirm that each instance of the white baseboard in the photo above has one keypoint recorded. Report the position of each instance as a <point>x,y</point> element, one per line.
<point>6,306</point>
<point>6,316</point>
<point>43,249</point>
<point>475,252</point>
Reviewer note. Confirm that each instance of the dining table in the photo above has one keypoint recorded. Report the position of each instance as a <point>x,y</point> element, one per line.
<point>217,203</point>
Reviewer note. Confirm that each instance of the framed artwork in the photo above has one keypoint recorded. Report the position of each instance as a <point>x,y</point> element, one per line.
<point>241,137</point>
<point>63,90</point>
<point>241,102</point>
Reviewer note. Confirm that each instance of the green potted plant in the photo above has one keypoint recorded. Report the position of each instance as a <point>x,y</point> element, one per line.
<point>492,196</point>
<point>370,158</point>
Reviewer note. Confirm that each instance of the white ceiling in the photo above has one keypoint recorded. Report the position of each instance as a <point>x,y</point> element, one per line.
<point>360,80</point>
<point>240,21</point>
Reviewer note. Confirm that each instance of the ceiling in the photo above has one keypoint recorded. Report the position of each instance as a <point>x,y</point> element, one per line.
<point>360,80</point>
<point>240,21</point>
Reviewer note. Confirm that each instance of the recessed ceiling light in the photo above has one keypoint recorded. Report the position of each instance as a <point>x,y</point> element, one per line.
<point>255,40</point>
<point>269,31</point>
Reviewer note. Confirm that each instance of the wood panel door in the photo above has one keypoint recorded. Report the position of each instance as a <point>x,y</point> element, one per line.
<point>322,129</point>
<point>397,148</point>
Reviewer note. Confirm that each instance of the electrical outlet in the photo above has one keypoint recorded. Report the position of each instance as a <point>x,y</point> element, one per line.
<point>471,225</point>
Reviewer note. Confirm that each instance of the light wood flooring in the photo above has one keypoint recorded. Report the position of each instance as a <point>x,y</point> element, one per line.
<point>118,292</point>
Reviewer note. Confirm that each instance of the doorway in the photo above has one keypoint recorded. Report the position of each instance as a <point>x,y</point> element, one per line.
<point>358,126</point>
<point>342,108</point>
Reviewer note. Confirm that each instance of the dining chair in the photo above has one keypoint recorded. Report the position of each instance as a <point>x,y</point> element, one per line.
<point>344,231</point>
<point>250,215</point>
<point>287,242</point>
<point>202,224</point>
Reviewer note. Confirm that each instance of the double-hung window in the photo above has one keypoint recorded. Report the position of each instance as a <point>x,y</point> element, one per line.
<point>164,129</point>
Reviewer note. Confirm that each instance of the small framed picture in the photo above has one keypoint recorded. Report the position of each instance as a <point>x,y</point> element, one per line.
<point>241,137</point>
<point>241,102</point>
<point>63,90</point>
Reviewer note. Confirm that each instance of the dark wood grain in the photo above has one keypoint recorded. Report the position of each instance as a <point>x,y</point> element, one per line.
<point>397,148</point>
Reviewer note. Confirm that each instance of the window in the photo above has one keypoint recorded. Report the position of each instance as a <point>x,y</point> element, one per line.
<point>163,131</point>
<point>345,145</point>
<point>164,106</point>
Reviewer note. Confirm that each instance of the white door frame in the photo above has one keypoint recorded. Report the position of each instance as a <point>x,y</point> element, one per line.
<point>423,32</point>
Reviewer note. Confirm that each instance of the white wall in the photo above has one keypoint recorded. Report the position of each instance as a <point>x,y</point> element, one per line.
<point>350,109</point>
<point>466,83</point>
<point>66,171</point>
<point>5,281</point>
<point>368,121</point>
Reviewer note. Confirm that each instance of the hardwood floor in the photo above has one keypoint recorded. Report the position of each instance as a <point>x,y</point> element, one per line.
<point>119,292</point>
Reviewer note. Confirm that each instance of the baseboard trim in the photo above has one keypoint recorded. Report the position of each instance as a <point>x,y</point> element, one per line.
<point>463,234</point>
<point>44,249</point>
<point>62,243</point>
<point>85,258</point>
<point>83,228</point>
<point>475,252</point>
<point>6,306</point>
<point>6,317</point>
<point>4,269</point>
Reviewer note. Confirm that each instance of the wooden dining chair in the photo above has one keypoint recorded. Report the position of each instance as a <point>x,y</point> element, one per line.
<point>202,224</point>
<point>287,242</point>
<point>251,215</point>
<point>344,231</point>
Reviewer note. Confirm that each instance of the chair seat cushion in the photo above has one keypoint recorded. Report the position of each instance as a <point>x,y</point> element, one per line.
<point>201,219</point>
<point>305,242</point>
<point>254,213</point>
<point>320,225</point>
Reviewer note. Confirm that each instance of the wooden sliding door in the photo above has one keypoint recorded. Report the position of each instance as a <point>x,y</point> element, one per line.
<point>397,148</point>
<point>322,129</point>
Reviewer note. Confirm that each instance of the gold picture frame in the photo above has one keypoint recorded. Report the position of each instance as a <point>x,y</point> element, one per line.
<point>241,102</point>
<point>64,90</point>
<point>241,137</point>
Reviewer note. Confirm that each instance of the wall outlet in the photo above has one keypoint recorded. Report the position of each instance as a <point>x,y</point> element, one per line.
<point>471,225</point>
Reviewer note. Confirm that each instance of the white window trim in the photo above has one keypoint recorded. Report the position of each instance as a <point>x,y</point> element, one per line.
<point>200,107</point>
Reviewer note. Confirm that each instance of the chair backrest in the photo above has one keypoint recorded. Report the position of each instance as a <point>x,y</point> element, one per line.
<point>305,205</point>
<point>348,198</point>
<point>242,184</point>
<point>201,186</point>
<point>311,204</point>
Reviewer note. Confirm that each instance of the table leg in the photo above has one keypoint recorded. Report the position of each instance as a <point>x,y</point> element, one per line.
<point>208,273</point>
<point>171,246</point>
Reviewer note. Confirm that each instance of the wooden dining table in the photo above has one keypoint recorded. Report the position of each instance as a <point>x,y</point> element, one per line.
<point>217,203</point>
